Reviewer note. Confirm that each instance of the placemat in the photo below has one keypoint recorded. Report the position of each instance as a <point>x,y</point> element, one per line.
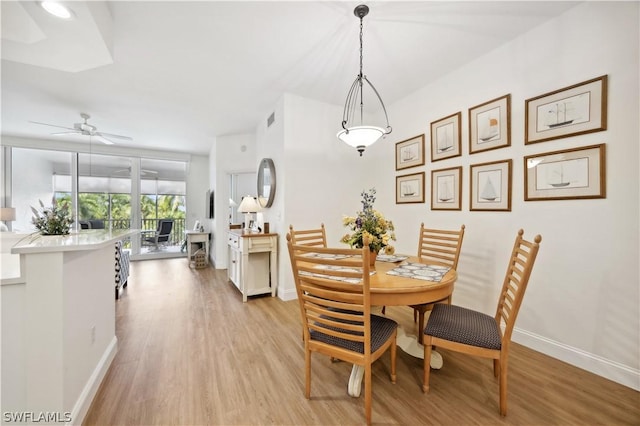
<point>420,271</point>
<point>334,278</point>
<point>391,258</point>
<point>327,255</point>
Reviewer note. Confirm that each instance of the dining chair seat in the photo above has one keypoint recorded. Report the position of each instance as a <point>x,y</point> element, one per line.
<point>382,329</point>
<point>464,326</point>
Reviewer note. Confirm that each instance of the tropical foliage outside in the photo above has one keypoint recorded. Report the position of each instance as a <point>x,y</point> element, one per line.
<point>117,207</point>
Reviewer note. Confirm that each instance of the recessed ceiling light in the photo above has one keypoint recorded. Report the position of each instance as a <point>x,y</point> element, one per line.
<point>57,9</point>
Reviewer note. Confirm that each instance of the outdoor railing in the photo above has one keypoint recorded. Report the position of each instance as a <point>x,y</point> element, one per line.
<point>177,231</point>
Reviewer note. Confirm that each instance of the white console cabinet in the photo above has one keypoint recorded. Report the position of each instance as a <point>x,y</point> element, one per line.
<point>253,262</point>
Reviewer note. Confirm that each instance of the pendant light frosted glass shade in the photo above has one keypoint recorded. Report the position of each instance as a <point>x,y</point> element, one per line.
<point>354,131</point>
<point>360,137</point>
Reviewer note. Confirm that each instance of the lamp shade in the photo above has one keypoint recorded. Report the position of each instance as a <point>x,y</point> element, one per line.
<point>249,204</point>
<point>360,135</point>
<point>7,213</point>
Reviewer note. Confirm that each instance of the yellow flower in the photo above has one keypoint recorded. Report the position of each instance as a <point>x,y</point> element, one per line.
<point>390,250</point>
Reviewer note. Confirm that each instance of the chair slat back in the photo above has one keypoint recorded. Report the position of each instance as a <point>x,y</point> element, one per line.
<point>333,291</point>
<point>440,246</point>
<point>515,283</point>
<point>309,237</point>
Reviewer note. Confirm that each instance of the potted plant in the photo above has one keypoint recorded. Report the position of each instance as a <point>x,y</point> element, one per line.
<point>54,220</point>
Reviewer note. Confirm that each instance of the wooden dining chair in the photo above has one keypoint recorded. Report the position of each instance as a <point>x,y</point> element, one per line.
<point>437,246</point>
<point>309,237</point>
<point>334,297</point>
<point>441,247</point>
<point>464,330</point>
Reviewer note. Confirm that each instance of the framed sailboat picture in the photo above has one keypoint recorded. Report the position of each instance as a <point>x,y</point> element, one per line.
<point>491,186</point>
<point>568,174</point>
<point>573,110</point>
<point>410,153</point>
<point>445,137</point>
<point>446,189</point>
<point>490,125</point>
<point>410,188</point>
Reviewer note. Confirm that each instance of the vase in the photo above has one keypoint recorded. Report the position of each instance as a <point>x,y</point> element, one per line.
<point>372,257</point>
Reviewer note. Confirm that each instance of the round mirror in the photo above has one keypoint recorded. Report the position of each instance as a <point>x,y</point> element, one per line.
<point>266,182</point>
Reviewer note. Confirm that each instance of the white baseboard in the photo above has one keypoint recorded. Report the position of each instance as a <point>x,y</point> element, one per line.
<point>89,392</point>
<point>595,364</point>
<point>287,295</point>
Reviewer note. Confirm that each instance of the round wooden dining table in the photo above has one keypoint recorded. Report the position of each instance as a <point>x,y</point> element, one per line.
<point>395,290</point>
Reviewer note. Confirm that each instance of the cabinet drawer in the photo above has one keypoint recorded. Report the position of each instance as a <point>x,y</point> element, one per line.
<point>259,243</point>
<point>234,241</point>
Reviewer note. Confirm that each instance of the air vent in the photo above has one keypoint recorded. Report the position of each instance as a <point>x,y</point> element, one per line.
<point>271,119</point>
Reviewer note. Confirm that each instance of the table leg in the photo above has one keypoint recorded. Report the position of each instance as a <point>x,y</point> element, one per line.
<point>407,343</point>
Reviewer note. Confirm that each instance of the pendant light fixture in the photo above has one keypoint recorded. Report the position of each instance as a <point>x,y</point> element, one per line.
<point>354,132</point>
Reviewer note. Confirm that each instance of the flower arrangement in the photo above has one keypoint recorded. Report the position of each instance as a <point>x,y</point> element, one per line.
<point>370,223</point>
<point>54,220</point>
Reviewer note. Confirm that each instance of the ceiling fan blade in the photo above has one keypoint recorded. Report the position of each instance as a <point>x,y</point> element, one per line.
<point>111,135</point>
<point>64,133</point>
<point>52,125</point>
<point>104,139</point>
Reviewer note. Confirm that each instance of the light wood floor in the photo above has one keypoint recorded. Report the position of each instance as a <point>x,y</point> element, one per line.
<point>191,353</point>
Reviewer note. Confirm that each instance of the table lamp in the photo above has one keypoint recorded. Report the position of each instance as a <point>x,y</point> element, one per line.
<point>6,214</point>
<point>249,205</point>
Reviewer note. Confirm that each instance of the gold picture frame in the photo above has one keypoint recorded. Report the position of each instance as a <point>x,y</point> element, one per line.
<point>490,185</point>
<point>410,152</point>
<point>410,188</point>
<point>571,111</point>
<point>490,125</point>
<point>445,137</point>
<point>577,173</point>
<point>446,189</point>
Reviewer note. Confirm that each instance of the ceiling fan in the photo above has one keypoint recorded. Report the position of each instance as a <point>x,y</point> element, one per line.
<point>86,129</point>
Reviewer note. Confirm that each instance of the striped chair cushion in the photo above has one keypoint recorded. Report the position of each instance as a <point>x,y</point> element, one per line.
<point>381,329</point>
<point>462,325</point>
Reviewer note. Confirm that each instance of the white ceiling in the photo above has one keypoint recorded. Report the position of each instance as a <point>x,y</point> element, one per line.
<point>174,75</point>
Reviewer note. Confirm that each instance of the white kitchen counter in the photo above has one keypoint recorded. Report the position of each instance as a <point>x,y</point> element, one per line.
<point>58,320</point>
<point>90,239</point>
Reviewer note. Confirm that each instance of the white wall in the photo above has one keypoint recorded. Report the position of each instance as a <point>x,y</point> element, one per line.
<point>319,179</point>
<point>582,304</point>
<point>197,186</point>
<point>229,154</point>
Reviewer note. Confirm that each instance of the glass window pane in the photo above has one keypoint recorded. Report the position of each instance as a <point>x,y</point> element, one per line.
<point>33,172</point>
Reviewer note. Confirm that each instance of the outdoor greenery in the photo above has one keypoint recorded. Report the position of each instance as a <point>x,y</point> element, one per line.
<point>96,206</point>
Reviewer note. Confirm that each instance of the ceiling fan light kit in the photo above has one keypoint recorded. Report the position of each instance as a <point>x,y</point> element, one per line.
<point>354,132</point>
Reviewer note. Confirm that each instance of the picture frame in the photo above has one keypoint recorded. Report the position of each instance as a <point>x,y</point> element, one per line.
<point>445,137</point>
<point>410,188</point>
<point>446,189</point>
<point>490,185</point>
<point>490,125</point>
<point>570,111</point>
<point>577,173</point>
<point>410,152</point>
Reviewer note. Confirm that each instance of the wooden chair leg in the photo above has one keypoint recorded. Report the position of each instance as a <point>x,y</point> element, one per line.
<point>426,364</point>
<point>415,315</point>
<point>367,393</point>
<point>393,351</point>
<point>503,388</point>
<point>307,361</point>
<point>421,326</point>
